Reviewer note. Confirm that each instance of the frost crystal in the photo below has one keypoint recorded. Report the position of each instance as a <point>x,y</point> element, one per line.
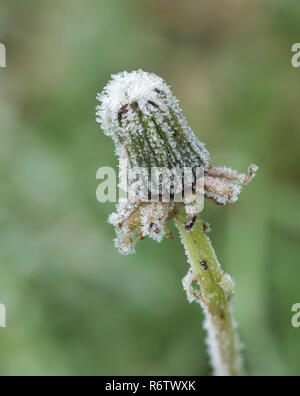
<point>125,223</point>
<point>154,218</point>
<point>192,294</point>
<point>213,341</point>
<point>134,221</point>
<point>228,285</point>
<point>224,185</point>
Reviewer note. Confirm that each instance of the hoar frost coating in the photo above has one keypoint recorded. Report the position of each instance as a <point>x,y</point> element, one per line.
<point>139,111</point>
<point>143,117</point>
<point>135,222</point>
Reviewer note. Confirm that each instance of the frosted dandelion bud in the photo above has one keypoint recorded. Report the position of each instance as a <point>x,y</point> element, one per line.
<point>139,111</point>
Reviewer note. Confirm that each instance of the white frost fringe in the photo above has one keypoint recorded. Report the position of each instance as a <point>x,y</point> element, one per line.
<point>217,362</point>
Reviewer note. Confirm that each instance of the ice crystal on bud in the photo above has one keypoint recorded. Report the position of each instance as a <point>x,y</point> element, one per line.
<point>134,221</point>
<point>154,218</point>
<point>224,185</point>
<point>125,222</point>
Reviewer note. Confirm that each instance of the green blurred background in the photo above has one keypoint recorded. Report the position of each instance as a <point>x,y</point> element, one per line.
<point>74,305</point>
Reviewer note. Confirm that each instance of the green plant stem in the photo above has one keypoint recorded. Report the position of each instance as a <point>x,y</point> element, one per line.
<point>216,290</point>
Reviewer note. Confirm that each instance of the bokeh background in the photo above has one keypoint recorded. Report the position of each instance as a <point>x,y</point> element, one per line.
<point>74,305</point>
